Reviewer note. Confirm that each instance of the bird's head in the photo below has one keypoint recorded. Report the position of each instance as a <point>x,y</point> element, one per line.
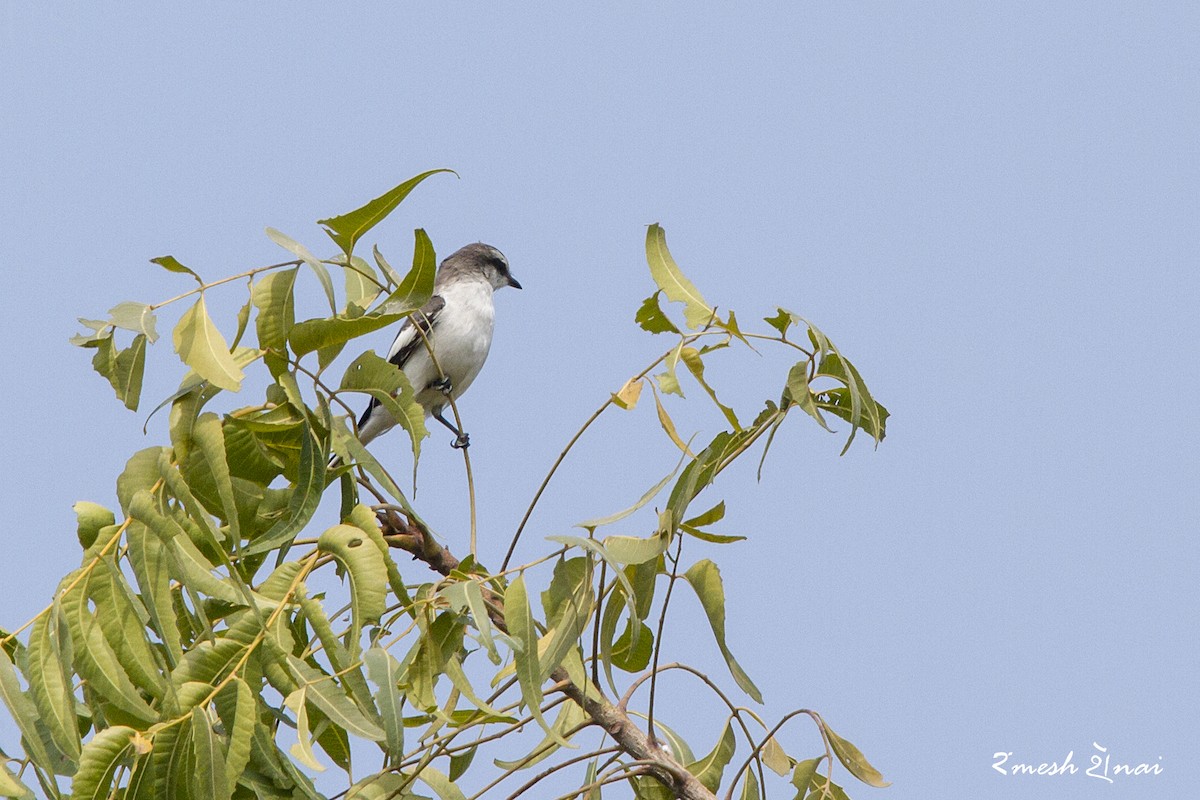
<point>485,260</point>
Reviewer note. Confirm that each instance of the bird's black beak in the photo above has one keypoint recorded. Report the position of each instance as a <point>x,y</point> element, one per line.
<point>513,282</point>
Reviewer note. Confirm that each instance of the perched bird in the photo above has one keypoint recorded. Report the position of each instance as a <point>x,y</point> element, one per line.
<point>457,321</point>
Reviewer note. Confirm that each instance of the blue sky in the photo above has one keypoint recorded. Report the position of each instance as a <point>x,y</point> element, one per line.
<point>991,208</point>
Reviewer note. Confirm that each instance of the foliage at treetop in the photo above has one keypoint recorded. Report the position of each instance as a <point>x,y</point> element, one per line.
<point>187,658</point>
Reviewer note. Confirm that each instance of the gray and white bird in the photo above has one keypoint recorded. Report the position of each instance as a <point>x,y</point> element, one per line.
<point>458,322</point>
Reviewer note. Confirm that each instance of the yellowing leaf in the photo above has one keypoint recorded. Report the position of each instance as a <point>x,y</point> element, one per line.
<point>671,280</point>
<point>627,397</point>
<point>201,346</point>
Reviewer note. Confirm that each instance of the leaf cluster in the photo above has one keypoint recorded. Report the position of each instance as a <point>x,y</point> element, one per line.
<point>188,655</point>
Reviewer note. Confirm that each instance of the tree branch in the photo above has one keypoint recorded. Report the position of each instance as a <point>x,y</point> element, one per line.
<point>660,762</point>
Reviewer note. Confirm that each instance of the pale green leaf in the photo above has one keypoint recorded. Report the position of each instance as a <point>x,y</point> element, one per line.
<point>319,334</point>
<point>11,787</point>
<point>384,672</point>
<point>25,713</point>
<point>705,579</point>
<point>775,758</point>
<point>750,790</point>
<point>322,692</point>
<point>691,358</point>
<point>519,620</point>
<point>136,317</point>
<point>646,497</point>
<point>441,785</point>
<point>90,519</point>
<point>302,749</point>
<point>570,716</point>
<point>201,346</point>
<point>671,280</point>
<point>274,299</point>
<point>238,712</point>
<point>634,549</point>
<point>314,263</point>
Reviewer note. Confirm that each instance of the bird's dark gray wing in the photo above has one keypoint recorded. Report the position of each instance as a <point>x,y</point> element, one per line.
<point>409,339</point>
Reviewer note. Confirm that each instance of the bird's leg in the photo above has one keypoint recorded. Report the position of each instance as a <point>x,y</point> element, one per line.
<point>443,385</point>
<point>463,439</point>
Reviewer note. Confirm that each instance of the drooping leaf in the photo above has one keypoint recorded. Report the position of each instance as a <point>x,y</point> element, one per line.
<point>322,692</point>
<point>11,787</point>
<point>237,709</point>
<point>799,393</point>
<point>634,549</point>
<point>91,518</point>
<point>691,358</point>
<point>209,781</point>
<point>365,565</point>
<point>853,759</point>
<point>519,619</point>
<point>25,713</point>
<point>201,346</point>
<point>346,229</point>
<point>775,758</point>
<point>646,497</point>
<point>442,786</point>
<point>705,579</point>
<point>671,280</point>
<point>98,764</point>
<point>384,672</point>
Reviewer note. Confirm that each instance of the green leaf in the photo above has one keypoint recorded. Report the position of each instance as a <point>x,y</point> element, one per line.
<point>201,346</point>
<point>302,750</point>
<point>750,789</point>
<point>671,280</point>
<point>389,385</point>
<point>136,317</point>
<point>649,495</point>
<point>518,618</point>
<point>368,573</point>
<point>781,321</point>
<point>652,318</point>
<point>442,786</point>
<point>708,770</point>
<point>90,519</point>
<point>304,498</point>
<point>636,550</point>
<point>380,786</point>
<point>362,284</point>
<point>314,263</point>
<point>238,711</point>
<point>319,334</point>
<point>50,681</point>
<point>775,758</point>
<point>209,782</point>
<point>713,515</point>
<point>171,264</point>
<point>107,750</point>
<point>705,579</point>
<point>853,759</point>
<point>695,365</point>
<point>627,396</point>
<point>798,392</point>
<point>325,695</point>
<point>129,369</point>
<point>11,787</point>
<point>632,650</point>
<point>347,229</point>
<point>803,773</point>
<point>417,287</point>
<point>25,713</point>
<point>384,672</point>
<point>209,437</point>
<point>273,297</point>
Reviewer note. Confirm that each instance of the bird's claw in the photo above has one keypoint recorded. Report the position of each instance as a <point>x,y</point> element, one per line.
<point>462,442</point>
<point>443,385</point>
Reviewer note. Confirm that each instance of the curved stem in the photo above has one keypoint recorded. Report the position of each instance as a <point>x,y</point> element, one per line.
<point>247,274</point>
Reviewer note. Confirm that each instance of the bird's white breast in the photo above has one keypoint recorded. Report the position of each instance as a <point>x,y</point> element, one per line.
<point>463,334</point>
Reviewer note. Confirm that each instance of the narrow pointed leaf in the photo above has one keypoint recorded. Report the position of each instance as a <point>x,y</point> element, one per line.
<point>417,286</point>
<point>209,782</point>
<point>708,770</point>
<point>171,264</point>
<point>853,760</point>
<point>705,579</point>
<point>384,672</point>
<point>322,692</point>
<point>314,263</point>
<point>347,229</point>
<point>519,619</point>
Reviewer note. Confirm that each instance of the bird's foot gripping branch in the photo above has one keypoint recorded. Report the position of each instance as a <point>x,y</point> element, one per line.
<point>187,656</point>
